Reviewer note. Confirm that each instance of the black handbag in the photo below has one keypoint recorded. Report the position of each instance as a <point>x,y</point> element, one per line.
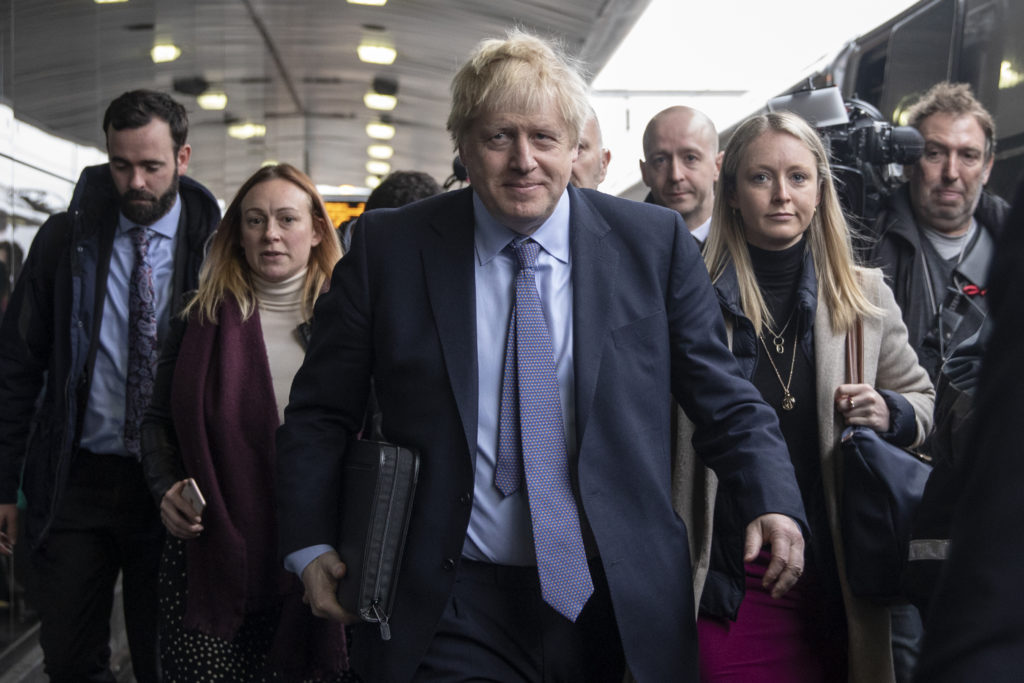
<point>882,488</point>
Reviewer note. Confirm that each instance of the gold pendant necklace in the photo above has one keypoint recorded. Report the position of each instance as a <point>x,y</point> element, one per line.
<point>788,401</point>
<point>777,340</point>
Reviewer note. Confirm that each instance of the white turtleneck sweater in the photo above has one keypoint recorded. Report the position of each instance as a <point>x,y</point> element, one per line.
<point>280,307</point>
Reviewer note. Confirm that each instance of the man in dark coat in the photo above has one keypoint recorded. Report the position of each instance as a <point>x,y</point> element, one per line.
<point>975,627</point>
<point>64,386</point>
<point>934,242</point>
<point>935,238</point>
<point>631,319</point>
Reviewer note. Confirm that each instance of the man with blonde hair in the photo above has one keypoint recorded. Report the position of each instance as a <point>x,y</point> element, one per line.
<point>525,339</point>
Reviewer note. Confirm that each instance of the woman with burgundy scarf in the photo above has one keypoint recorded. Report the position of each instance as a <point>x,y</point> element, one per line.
<point>229,610</point>
<point>780,257</point>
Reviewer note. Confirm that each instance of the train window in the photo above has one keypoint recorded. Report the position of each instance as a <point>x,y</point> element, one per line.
<point>993,63</point>
<point>919,55</point>
<point>870,74</point>
<point>980,53</point>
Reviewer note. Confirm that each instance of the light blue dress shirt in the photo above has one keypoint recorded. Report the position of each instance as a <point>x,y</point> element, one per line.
<point>103,422</point>
<point>499,527</point>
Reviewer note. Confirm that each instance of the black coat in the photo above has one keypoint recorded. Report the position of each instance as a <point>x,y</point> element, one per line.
<point>975,628</point>
<point>49,335</point>
<point>895,247</point>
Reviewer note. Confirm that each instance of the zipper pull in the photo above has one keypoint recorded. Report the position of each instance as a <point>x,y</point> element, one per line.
<point>382,620</point>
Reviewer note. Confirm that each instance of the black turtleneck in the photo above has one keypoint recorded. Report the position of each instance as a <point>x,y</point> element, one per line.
<point>778,275</point>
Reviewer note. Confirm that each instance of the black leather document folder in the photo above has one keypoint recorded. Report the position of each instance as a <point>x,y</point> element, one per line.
<point>377,490</point>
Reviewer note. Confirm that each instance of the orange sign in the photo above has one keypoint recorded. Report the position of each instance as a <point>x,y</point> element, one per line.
<point>343,212</point>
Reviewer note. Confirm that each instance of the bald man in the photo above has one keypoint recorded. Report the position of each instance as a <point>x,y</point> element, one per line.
<point>591,163</point>
<point>681,164</point>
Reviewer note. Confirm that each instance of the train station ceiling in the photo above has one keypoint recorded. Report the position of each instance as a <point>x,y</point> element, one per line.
<point>290,66</point>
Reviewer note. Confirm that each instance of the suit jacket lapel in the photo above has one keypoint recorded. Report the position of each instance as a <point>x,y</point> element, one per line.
<point>448,265</point>
<point>594,266</point>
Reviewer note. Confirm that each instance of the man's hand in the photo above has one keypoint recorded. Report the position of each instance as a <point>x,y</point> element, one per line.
<point>8,528</point>
<point>320,577</point>
<point>178,515</point>
<point>782,535</point>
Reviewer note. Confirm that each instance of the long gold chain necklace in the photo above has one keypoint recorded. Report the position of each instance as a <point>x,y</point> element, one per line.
<point>788,401</point>
<point>777,340</point>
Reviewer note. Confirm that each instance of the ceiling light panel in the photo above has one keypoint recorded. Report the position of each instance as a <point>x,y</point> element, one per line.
<point>164,52</point>
<point>380,131</point>
<point>383,152</point>
<point>374,100</point>
<point>246,131</point>
<point>212,101</point>
<point>376,53</point>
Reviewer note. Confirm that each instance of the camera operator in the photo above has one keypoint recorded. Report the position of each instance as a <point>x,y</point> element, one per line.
<point>934,240</point>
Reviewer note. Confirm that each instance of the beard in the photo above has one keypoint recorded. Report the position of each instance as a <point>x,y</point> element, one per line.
<point>143,208</point>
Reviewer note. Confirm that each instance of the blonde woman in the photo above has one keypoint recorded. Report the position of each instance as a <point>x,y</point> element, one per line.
<point>779,256</point>
<point>228,609</point>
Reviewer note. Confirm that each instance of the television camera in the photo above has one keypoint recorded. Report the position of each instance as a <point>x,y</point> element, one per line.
<point>866,152</point>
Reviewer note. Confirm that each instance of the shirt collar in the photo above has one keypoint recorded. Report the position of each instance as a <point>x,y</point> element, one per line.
<point>701,233</point>
<point>491,236</point>
<point>166,225</point>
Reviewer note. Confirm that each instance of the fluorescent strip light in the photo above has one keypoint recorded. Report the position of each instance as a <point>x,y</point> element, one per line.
<point>372,181</point>
<point>374,100</point>
<point>374,3</point>
<point>378,167</point>
<point>212,101</point>
<point>380,131</point>
<point>165,52</point>
<point>380,151</point>
<point>245,131</point>
<point>375,53</point>
<point>334,190</point>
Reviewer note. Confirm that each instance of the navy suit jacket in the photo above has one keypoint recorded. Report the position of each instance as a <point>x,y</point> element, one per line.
<point>401,309</point>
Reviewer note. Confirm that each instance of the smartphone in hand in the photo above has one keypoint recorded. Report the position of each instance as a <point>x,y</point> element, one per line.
<point>193,495</point>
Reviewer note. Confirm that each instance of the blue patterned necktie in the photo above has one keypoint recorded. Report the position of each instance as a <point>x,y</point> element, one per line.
<point>142,351</point>
<point>530,383</point>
